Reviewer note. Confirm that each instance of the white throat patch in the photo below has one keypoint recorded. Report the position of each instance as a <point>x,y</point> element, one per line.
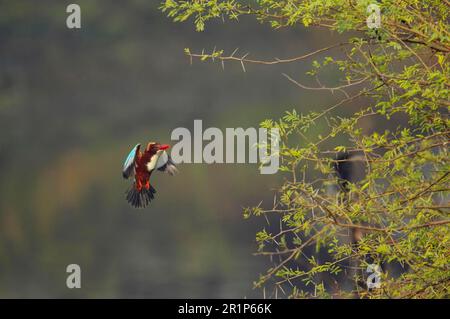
<point>158,160</point>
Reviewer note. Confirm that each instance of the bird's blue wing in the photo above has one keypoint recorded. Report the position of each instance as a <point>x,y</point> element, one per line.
<point>128,166</point>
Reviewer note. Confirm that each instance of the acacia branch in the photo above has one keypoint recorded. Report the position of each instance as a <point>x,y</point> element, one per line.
<point>324,88</point>
<point>243,59</point>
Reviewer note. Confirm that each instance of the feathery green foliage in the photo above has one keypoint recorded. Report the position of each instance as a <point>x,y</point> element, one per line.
<point>399,209</point>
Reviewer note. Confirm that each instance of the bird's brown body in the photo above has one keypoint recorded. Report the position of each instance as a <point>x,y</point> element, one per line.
<point>142,175</point>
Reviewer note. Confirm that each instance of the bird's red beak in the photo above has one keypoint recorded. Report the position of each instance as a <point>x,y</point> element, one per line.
<point>163,147</point>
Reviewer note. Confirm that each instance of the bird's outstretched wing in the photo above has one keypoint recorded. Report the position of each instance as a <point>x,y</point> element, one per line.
<point>165,164</point>
<point>128,166</point>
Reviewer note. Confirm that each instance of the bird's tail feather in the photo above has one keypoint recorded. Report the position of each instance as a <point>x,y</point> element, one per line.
<point>140,199</point>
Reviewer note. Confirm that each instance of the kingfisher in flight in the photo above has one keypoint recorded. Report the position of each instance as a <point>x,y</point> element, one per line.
<point>141,165</point>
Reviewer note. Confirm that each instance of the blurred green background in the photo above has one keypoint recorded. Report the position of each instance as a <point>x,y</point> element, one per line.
<point>74,102</point>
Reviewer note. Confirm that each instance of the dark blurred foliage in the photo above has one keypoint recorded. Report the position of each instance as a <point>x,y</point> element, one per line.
<point>74,102</point>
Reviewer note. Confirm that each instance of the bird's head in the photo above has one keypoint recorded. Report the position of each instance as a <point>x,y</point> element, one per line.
<point>157,147</point>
